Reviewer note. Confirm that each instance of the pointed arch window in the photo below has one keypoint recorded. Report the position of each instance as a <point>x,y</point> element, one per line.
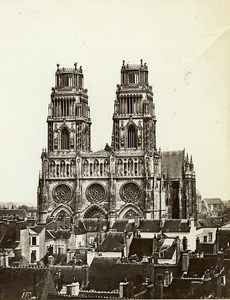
<point>64,139</point>
<point>132,137</point>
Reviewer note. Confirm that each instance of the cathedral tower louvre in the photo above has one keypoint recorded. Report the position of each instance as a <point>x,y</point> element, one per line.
<point>127,179</point>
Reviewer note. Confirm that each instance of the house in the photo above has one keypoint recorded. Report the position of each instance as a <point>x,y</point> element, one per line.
<point>36,243</point>
<point>159,250</point>
<point>106,274</point>
<point>169,227</point>
<point>213,206</point>
<point>10,243</point>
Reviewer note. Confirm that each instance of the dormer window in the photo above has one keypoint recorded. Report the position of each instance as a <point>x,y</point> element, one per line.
<point>161,254</point>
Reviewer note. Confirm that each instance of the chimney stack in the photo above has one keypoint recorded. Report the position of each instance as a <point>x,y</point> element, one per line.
<point>185,244</point>
<point>197,244</point>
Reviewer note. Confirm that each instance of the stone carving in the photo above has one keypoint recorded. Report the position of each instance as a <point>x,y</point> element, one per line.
<point>62,193</point>
<point>95,193</point>
<point>130,192</point>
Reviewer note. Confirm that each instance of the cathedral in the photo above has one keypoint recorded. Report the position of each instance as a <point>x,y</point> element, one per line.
<point>131,177</point>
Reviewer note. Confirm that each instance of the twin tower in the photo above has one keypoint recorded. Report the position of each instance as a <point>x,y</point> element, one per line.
<point>127,179</point>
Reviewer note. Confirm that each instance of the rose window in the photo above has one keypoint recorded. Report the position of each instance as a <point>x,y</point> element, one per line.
<point>62,193</point>
<point>130,192</point>
<point>95,193</point>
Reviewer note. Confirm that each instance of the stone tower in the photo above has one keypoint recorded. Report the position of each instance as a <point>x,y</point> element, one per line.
<point>134,121</point>
<point>69,127</point>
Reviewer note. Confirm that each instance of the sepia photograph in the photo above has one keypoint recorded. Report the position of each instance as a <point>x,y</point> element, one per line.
<point>114,157</point>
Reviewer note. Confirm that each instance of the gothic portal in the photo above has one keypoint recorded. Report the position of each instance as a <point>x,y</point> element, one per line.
<point>127,179</point>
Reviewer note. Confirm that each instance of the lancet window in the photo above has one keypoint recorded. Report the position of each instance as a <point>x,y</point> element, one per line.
<point>64,139</point>
<point>132,137</point>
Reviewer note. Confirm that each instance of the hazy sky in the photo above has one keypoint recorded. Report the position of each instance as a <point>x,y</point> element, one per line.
<point>186,45</point>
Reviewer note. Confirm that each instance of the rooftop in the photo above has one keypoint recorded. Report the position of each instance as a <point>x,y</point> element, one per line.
<point>114,242</point>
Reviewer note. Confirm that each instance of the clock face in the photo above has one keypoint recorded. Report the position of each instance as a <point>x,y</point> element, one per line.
<point>95,193</point>
<point>62,193</point>
<point>130,192</point>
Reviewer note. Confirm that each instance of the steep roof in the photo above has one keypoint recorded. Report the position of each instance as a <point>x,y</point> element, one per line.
<point>114,242</point>
<point>207,248</point>
<point>105,273</point>
<point>214,201</point>
<point>10,235</point>
<point>123,224</point>
<point>176,225</point>
<point>150,225</point>
<point>15,281</point>
<point>197,266</point>
<point>70,273</point>
<point>141,247</point>
<point>61,234</point>
<point>172,163</point>
<point>169,225</point>
<point>37,229</point>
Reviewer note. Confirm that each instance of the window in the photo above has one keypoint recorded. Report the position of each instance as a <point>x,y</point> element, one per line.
<point>33,256</point>
<point>91,240</point>
<point>34,241</point>
<point>210,237</point>
<point>64,139</point>
<point>132,139</point>
<point>205,239</point>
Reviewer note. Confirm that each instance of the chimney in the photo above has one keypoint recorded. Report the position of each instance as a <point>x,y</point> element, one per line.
<point>155,258</point>
<point>185,244</point>
<point>154,243</point>
<point>167,278</point>
<point>123,290</point>
<point>159,287</point>
<point>5,259</point>
<point>102,235</point>
<point>197,244</point>
<point>50,260</point>
<point>177,248</point>
<point>131,289</point>
<point>220,261</point>
<point>217,239</point>
<point>185,261</point>
<point>85,270</point>
<point>68,256</point>
<point>75,288</point>
<point>125,238</point>
<point>136,221</point>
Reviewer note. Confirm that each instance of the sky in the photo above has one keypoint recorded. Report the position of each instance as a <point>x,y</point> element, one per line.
<point>186,45</point>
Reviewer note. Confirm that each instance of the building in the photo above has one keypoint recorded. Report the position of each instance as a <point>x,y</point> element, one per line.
<point>213,207</point>
<point>127,179</point>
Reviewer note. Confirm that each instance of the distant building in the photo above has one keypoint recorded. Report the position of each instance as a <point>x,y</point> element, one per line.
<point>127,179</point>
<point>13,214</point>
<point>213,207</point>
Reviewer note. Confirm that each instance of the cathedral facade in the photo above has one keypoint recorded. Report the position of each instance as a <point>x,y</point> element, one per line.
<point>127,179</point>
